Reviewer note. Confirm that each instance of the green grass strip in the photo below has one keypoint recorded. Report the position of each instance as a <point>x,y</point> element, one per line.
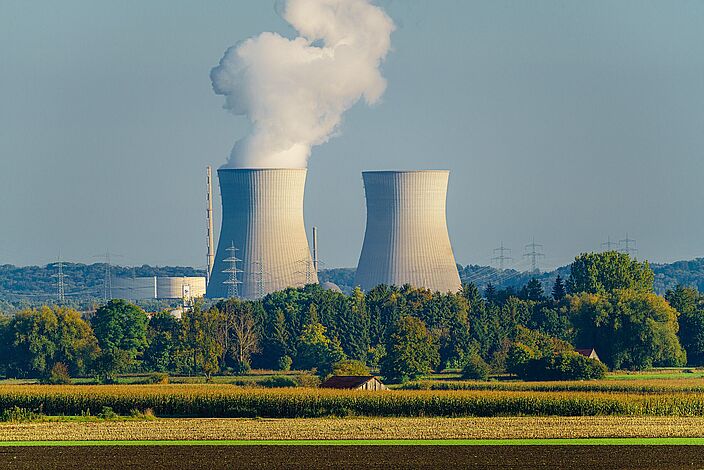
<point>375,442</point>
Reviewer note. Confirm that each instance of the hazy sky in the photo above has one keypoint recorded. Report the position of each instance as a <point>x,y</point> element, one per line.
<point>567,121</point>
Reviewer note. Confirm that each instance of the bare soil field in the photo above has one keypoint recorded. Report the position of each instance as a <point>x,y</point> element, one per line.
<point>274,457</point>
<point>357,428</point>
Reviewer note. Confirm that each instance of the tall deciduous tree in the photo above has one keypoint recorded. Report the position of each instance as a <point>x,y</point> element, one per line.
<point>411,351</point>
<point>597,273</point>
<point>244,333</point>
<point>38,339</point>
<point>690,305</point>
<point>201,331</point>
<point>121,330</point>
<point>629,329</point>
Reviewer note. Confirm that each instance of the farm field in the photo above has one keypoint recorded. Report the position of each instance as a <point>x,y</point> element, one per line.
<point>274,457</point>
<point>226,429</point>
<point>227,401</point>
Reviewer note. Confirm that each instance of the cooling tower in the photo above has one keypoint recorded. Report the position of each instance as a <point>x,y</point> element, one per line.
<point>406,240</point>
<point>262,246</point>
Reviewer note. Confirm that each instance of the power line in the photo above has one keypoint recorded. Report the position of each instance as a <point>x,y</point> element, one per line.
<point>610,246</point>
<point>502,256</point>
<point>107,276</point>
<point>627,248</point>
<point>231,282</point>
<point>60,276</point>
<point>309,267</point>
<point>534,255</point>
<point>259,280</point>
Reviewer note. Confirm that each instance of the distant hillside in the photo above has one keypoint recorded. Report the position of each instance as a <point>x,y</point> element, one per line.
<point>32,285</point>
<point>688,273</point>
<point>667,276</point>
<point>28,284</point>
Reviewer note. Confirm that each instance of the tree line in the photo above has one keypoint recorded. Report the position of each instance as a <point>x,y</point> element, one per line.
<point>606,303</point>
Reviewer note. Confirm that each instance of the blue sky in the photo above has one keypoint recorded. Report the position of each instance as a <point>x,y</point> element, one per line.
<point>567,121</point>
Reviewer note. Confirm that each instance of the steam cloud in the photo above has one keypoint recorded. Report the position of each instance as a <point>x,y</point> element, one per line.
<point>294,91</point>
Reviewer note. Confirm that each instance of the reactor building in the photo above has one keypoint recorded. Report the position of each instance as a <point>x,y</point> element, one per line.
<point>262,246</point>
<point>406,239</point>
<point>158,287</point>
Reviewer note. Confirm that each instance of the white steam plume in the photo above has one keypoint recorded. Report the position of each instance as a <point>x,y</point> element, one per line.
<point>294,91</point>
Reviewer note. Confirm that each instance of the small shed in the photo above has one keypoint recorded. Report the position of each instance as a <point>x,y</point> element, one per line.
<point>588,352</point>
<point>354,382</point>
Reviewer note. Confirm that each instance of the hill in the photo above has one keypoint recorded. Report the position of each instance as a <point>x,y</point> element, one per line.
<point>84,283</point>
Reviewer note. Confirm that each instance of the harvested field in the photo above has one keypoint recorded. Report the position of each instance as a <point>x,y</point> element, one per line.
<point>357,428</point>
<point>334,457</point>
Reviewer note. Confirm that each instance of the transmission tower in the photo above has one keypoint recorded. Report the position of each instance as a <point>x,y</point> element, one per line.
<point>259,278</point>
<point>308,270</point>
<point>501,257</point>
<point>232,271</point>
<point>609,245</point>
<point>533,254</point>
<point>107,276</point>
<point>60,276</point>
<point>628,246</point>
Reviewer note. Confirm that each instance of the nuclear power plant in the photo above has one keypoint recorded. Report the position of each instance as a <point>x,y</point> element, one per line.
<point>406,239</point>
<point>263,246</point>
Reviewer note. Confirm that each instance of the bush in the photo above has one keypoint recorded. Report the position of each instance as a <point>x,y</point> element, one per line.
<point>59,375</point>
<point>350,367</point>
<point>107,412</point>
<point>475,368</point>
<point>285,363</point>
<point>157,378</point>
<point>308,380</point>
<point>242,368</point>
<point>278,381</point>
<point>15,414</point>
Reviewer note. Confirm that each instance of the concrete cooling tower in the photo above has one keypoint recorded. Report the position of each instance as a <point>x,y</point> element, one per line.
<point>406,240</point>
<point>263,246</point>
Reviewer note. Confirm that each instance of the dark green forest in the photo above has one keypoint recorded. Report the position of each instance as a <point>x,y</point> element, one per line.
<point>607,302</point>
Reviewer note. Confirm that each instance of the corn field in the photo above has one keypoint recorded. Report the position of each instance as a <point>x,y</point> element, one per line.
<point>229,402</point>
<point>604,386</point>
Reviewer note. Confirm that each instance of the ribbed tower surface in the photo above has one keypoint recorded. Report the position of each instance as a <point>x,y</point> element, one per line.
<point>406,240</point>
<point>262,217</point>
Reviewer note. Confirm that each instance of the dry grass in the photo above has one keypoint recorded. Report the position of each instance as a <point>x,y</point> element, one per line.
<point>358,428</point>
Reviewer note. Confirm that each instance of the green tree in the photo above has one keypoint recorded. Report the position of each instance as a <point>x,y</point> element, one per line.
<point>38,339</point>
<point>243,332</point>
<point>598,273</point>
<point>201,331</point>
<point>317,351</point>
<point>475,368</point>
<point>411,351</point>
<point>121,330</point>
<point>163,337</point>
<point>558,289</point>
<point>533,291</point>
<point>350,367</point>
<point>629,329</point>
<point>690,305</point>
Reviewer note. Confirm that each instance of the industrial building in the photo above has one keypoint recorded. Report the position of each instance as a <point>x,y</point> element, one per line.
<point>263,246</point>
<point>153,287</point>
<point>406,239</point>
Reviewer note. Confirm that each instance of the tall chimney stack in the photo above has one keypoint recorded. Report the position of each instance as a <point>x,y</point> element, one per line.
<point>315,249</point>
<point>209,215</point>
